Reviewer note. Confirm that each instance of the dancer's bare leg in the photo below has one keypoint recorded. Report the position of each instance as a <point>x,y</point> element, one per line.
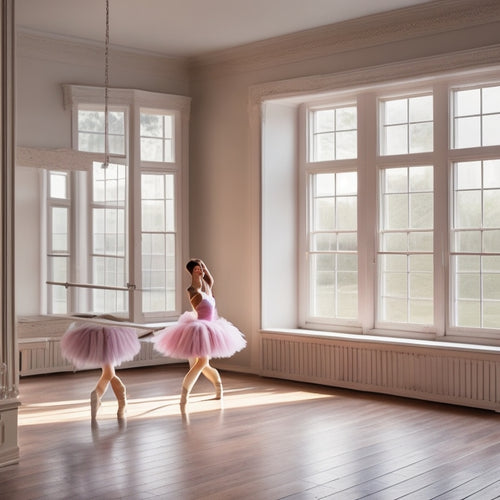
<point>213,375</point>
<point>108,372</point>
<point>121,395</point>
<point>197,367</point>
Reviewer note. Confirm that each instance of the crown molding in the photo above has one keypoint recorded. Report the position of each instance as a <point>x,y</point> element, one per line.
<point>425,69</point>
<point>430,18</point>
<point>68,50</point>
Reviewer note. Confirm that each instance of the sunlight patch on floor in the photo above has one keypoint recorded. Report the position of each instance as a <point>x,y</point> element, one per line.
<point>154,407</point>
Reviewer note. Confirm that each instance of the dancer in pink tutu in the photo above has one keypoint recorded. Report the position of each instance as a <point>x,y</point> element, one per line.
<point>94,345</point>
<point>200,334</point>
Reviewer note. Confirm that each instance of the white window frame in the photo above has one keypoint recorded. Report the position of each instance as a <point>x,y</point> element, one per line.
<point>369,162</point>
<point>134,101</point>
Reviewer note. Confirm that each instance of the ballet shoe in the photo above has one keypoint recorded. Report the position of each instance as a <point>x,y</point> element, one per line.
<point>218,390</point>
<point>184,396</point>
<point>122,407</point>
<point>95,403</point>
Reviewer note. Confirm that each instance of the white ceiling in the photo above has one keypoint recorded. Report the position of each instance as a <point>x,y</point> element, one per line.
<point>190,27</point>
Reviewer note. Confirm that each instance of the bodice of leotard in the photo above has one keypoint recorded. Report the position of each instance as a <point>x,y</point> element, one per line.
<point>206,308</point>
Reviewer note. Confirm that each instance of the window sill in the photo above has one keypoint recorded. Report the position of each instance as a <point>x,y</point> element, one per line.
<point>449,343</point>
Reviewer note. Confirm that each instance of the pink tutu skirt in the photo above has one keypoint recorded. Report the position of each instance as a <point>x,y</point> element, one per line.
<point>192,337</point>
<point>92,345</point>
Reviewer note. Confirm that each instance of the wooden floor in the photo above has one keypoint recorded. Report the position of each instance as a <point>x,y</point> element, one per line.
<point>269,440</point>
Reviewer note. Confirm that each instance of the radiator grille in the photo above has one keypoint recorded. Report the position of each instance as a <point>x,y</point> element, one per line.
<point>448,376</point>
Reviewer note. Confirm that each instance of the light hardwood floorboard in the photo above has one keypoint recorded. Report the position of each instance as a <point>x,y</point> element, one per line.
<point>267,440</point>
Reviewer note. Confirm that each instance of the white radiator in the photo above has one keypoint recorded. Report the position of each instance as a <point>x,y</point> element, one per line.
<point>39,345</point>
<point>468,376</point>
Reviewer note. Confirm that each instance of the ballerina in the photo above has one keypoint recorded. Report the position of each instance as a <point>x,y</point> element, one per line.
<point>200,334</point>
<point>91,345</point>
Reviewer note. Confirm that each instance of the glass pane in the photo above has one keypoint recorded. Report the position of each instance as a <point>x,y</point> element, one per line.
<point>491,130</point>
<point>491,99</point>
<point>421,137</point>
<point>467,263</point>
<point>394,263</point>
<point>421,242</point>
<point>468,132</point>
<point>491,174</point>
<point>58,185</point>
<point>394,242</point>
<point>491,286</point>
<point>395,310</point>
<point>395,211</point>
<point>324,184</point>
<point>347,242</point>
<point>346,145</point>
<point>396,180</point>
<point>151,125</point>
<point>324,214</point>
<point>468,313</point>
<point>491,208</point>
<point>491,314</point>
<point>468,209</point>
<point>346,118</point>
<point>91,121</point>
<point>421,312</point>
<point>396,140</point>
<point>324,147</point>
<point>346,213</point>
<point>347,183</point>
<point>468,175</point>
<point>153,215</point>
<point>421,109</point>
<point>421,179</point>
<point>421,210</point>
<point>396,111</point>
<point>60,236</point>
<point>151,149</point>
<point>324,120</point>
<point>324,242</point>
<point>467,102</point>
<point>491,241</point>
<point>467,241</point>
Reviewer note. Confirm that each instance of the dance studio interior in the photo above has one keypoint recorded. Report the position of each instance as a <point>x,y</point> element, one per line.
<point>335,166</point>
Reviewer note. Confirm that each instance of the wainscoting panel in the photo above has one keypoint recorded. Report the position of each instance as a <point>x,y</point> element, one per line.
<point>434,371</point>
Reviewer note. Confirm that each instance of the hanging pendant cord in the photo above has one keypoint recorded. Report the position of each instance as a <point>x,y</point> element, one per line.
<point>106,89</point>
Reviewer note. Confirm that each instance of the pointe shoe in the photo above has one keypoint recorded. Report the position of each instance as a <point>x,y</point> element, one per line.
<point>184,396</point>
<point>122,407</point>
<point>218,390</point>
<point>95,403</point>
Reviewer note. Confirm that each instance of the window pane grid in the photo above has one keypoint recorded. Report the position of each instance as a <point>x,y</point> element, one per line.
<point>406,125</point>
<point>475,244</point>
<point>333,266</point>
<point>109,245</point>
<point>158,242</point>
<point>333,134</point>
<point>405,254</point>
<point>156,137</point>
<point>476,117</point>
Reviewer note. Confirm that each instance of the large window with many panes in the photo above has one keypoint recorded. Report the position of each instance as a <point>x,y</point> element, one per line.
<point>401,210</point>
<point>115,230</point>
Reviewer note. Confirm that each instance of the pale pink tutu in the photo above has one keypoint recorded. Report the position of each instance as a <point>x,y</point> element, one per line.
<point>92,345</point>
<point>192,337</point>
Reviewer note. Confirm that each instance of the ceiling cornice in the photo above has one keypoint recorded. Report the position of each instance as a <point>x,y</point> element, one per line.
<point>437,16</point>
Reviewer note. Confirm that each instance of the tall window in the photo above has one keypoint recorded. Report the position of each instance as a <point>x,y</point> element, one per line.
<point>475,208</point>
<point>332,223</point>
<point>115,244</point>
<point>399,218</point>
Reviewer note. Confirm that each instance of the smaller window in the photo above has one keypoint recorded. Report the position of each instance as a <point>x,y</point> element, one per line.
<point>157,141</point>
<point>476,117</point>
<point>406,125</point>
<point>91,131</point>
<point>334,134</point>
